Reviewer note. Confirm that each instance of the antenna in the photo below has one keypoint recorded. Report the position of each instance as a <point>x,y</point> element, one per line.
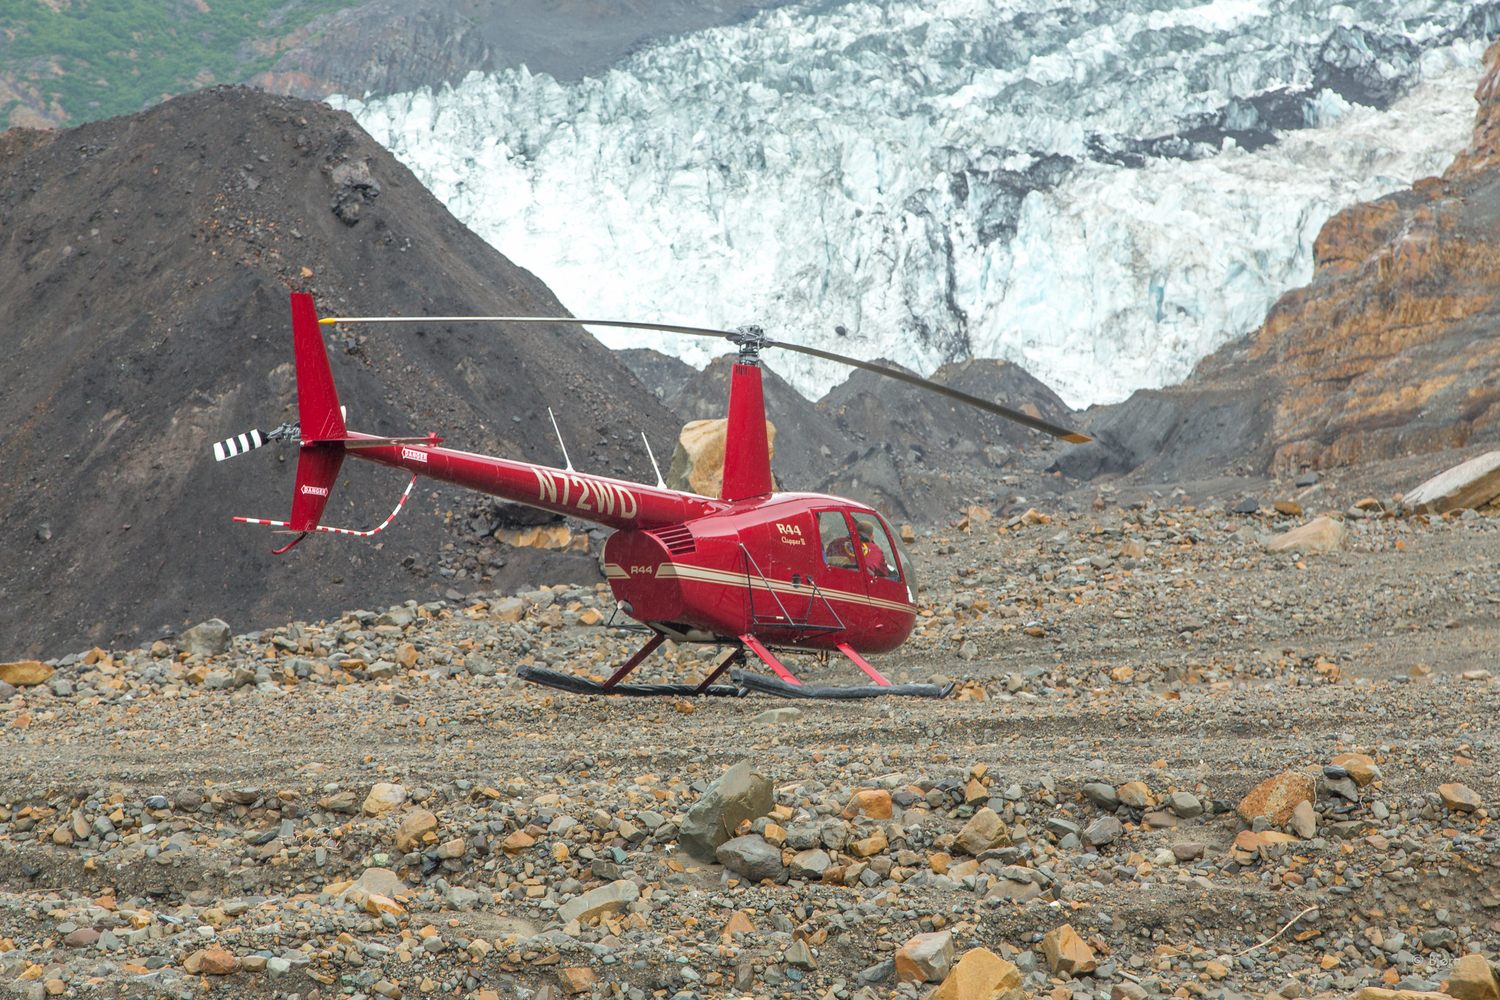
<point>661,483</point>
<point>566,460</point>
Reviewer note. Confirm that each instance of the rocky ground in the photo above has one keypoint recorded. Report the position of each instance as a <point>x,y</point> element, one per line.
<point>374,806</point>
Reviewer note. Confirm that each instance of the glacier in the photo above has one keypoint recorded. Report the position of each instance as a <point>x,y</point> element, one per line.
<point>1103,192</point>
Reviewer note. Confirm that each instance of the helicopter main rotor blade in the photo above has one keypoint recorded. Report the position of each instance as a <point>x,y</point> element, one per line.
<point>1026,419</point>
<point>697,331</point>
<point>736,337</point>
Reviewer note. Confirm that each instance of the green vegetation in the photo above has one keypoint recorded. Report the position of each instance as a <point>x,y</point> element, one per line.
<point>119,56</point>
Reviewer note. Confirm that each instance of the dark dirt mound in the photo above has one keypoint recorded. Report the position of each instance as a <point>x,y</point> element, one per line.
<point>915,452</point>
<point>145,264</point>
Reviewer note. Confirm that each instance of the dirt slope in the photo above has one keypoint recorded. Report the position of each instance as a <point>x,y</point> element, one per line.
<point>145,264</point>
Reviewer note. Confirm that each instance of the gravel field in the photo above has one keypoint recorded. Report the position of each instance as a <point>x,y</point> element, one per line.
<point>373,806</point>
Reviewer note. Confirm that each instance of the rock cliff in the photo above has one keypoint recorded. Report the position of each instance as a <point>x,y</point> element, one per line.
<point>1391,349</point>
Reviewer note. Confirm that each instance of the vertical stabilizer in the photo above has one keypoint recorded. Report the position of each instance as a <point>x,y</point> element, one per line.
<point>747,449</point>
<point>317,401</point>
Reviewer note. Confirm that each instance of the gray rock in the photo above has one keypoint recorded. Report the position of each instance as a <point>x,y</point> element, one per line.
<point>774,715</point>
<point>1185,804</point>
<point>752,857</point>
<point>1102,795</point>
<point>1104,830</point>
<point>810,864</point>
<point>738,795</point>
<point>605,899</point>
<point>210,638</point>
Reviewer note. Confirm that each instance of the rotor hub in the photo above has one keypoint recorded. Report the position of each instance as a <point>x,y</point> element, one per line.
<point>750,340</point>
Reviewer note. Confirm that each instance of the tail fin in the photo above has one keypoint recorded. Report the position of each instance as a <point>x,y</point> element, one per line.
<point>318,408</point>
<point>320,416</point>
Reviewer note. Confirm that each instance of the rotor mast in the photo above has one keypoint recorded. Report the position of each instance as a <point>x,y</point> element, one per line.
<point>747,445</point>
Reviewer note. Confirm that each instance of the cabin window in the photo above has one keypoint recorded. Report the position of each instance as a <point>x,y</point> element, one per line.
<point>836,540</point>
<point>877,550</point>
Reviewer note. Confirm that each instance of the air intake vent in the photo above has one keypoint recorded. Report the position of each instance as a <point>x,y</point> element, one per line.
<point>678,539</point>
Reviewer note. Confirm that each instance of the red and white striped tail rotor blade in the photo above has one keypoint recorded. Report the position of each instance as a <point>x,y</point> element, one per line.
<point>239,444</point>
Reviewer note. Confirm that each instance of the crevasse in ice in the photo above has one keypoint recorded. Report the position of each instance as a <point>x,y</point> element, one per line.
<point>1103,191</point>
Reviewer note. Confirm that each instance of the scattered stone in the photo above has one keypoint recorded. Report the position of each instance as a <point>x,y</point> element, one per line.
<point>739,794</point>
<point>800,955</point>
<point>1320,535</point>
<point>1361,767</point>
<point>985,831</point>
<point>1135,794</point>
<point>871,803</point>
<point>415,826</point>
<point>604,899</point>
<point>1067,953</point>
<point>1102,795</point>
<point>1459,798</point>
<point>576,979</point>
<point>980,974</point>
<point>1471,484</point>
<point>383,797</point>
<point>1276,797</point>
<point>1104,830</point>
<point>1304,820</point>
<point>210,638</point>
<point>925,958</point>
<point>752,857</point>
<point>1472,978</point>
<point>25,673</point>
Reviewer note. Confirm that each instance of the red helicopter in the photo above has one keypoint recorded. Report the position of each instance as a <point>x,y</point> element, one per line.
<point>750,569</point>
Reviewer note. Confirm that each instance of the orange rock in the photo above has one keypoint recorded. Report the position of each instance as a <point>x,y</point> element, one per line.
<point>981,975</point>
<point>872,803</point>
<point>212,961</point>
<point>925,958</point>
<point>738,923</point>
<point>698,461</point>
<point>25,673</point>
<point>576,979</point>
<point>517,842</point>
<point>415,827</point>
<point>1459,798</point>
<point>1068,953</point>
<point>869,846</point>
<point>1276,797</point>
<point>1361,767</point>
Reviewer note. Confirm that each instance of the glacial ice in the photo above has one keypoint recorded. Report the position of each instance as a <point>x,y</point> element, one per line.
<point>1103,191</point>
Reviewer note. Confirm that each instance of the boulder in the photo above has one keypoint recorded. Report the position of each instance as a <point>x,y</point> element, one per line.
<point>740,794</point>
<point>383,797</point>
<point>752,857</point>
<point>985,831</point>
<point>1276,797</point>
<point>871,803</point>
<point>1321,534</point>
<point>1067,953</point>
<point>698,461</point>
<point>607,898</point>
<point>415,826</point>
<point>925,958</point>
<point>1472,978</point>
<point>25,673</point>
<point>981,975</point>
<point>1459,798</point>
<point>1471,484</point>
<point>210,638</point>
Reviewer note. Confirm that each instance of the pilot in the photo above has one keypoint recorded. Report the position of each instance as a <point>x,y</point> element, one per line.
<point>840,551</point>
